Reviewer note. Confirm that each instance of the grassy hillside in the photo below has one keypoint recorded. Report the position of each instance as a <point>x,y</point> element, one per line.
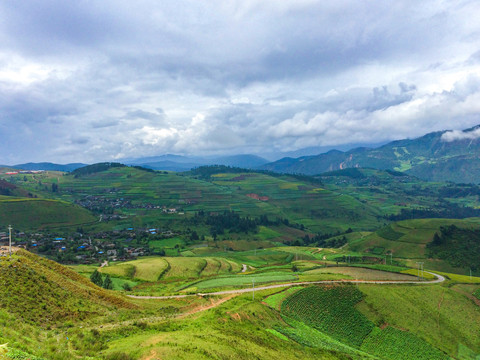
<point>28,213</point>
<point>407,242</point>
<point>42,292</point>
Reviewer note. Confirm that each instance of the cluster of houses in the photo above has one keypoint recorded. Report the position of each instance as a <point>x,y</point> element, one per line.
<point>97,203</point>
<point>24,172</point>
<point>117,245</point>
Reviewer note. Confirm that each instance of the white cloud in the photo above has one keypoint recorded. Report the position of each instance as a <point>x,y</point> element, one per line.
<point>456,135</point>
<point>94,81</point>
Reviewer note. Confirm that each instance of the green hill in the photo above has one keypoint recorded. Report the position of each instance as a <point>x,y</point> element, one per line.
<point>36,213</point>
<point>42,292</point>
<point>409,241</point>
<point>432,157</point>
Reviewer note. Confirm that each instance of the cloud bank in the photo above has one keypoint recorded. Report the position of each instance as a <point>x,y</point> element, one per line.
<point>98,81</point>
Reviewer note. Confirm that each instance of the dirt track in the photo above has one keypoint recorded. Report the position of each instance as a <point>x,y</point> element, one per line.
<point>439,279</point>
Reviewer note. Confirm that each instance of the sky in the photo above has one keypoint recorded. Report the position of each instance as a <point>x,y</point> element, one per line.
<point>88,81</point>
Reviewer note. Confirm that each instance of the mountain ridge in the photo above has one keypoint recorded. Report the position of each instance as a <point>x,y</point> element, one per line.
<point>437,156</point>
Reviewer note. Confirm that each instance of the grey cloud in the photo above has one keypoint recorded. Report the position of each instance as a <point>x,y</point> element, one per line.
<point>104,123</point>
<point>128,78</point>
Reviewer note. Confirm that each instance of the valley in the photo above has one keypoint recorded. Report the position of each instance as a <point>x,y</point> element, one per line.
<point>190,262</point>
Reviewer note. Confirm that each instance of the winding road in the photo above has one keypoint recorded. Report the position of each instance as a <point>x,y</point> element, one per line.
<point>439,279</point>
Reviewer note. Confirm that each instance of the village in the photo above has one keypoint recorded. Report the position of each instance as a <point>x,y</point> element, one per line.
<point>80,248</point>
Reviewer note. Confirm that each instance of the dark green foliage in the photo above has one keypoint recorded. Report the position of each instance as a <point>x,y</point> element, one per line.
<point>460,247</point>
<point>107,283</point>
<point>331,310</point>
<point>459,190</point>
<point>126,286</point>
<point>96,278</point>
<point>143,168</point>
<point>388,233</point>
<point>444,210</point>
<point>95,168</point>
<point>353,173</point>
<point>477,294</point>
<point>394,344</point>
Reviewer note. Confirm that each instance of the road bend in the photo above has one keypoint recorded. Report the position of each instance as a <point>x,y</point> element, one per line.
<point>438,279</point>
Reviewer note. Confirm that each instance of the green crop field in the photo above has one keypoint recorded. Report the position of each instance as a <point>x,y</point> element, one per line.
<point>342,321</point>
<point>395,344</point>
<point>155,268</point>
<point>363,274</point>
<point>146,269</point>
<point>245,280</point>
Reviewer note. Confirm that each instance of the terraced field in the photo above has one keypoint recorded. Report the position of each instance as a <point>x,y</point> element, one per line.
<point>156,268</point>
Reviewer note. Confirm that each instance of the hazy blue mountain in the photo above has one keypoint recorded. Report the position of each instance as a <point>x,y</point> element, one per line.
<point>183,163</point>
<point>429,157</point>
<point>49,166</point>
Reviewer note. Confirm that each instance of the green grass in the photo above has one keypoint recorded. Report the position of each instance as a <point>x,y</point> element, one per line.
<point>436,314</point>
<point>27,214</point>
<point>275,300</point>
<point>165,243</point>
<point>40,291</point>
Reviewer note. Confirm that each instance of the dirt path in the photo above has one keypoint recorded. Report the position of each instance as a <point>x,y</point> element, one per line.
<point>207,307</point>
<point>244,268</point>
<point>153,319</point>
<point>439,279</point>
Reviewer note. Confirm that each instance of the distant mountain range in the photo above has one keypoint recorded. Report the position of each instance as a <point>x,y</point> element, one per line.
<point>48,166</point>
<point>184,163</point>
<point>164,162</point>
<point>437,156</point>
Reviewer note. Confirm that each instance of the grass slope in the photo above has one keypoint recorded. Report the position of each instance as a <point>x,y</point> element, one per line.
<point>26,213</point>
<point>42,292</point>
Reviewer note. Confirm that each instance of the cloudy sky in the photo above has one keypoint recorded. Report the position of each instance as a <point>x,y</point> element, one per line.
<point>86,81</point>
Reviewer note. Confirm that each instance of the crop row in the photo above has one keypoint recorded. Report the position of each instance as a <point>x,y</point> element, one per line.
<point>395,344</point>
<point>331,310</point>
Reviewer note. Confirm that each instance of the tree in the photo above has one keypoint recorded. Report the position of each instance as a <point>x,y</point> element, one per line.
<point>107,283</point>
<point>127,287</point>
<point>54,187</point>
<point>96,278</point>
<point>194,236</point>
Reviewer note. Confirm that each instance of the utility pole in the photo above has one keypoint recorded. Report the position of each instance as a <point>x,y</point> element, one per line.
<point>420,269</point>
<point>391,258</point>
<point>10,239</point>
